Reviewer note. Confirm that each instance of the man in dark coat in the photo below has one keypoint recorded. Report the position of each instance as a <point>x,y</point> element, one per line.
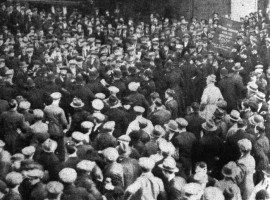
<point>84,169</point>
<point>105,138</point>
<point>68,177</point>
<point>115,113</point>
<point>78,117</point>
<point>229,89</point>
<point>48,159</point>
<point>184,144</point>
<point>136,98</point>
<point>32,188</point>
<point>195,121</point>
<point>11,121</point>
<point>209,148</point>
<point>84,93</point>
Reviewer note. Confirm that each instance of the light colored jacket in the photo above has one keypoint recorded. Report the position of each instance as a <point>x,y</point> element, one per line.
<point>146,187</point>
<point>210,97</point>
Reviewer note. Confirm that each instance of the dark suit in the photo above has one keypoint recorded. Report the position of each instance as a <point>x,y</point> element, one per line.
<point>38,191</point>
<point>229,89</point>
<point>84,93</point>
<point>184,142</point>
<point>195,122</point>
<point>137,99</point>
<point>85,182</point>
<point>121,121</point>
<point>10,121</point>
<point>71,192</point>
<point>50,162</point>
<point>96,87</point>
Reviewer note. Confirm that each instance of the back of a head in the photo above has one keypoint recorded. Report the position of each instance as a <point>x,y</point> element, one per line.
<point>12,104</point>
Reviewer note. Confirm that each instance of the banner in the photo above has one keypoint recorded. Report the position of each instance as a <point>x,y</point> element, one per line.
<point>225,36</point>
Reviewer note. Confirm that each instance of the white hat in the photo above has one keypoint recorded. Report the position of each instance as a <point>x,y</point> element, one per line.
<point>133,86</point>
<point>87,124</point>
<point>99,116</point>
<point>72,61</point>
<point>78,136</point>
<point>100,96</point>
<point>110,154</point>
<point>139,109</point>
<point>147,163</point>
<point>54,187</point>
<point>56,95</point>
<point>192,189</point>
<point>14,178</point>
<point>28,151</point>
<point>124,138</point>
<point>259,70</point>
<point>166,147</point>
<point>97,104</point>
<point>86,165</point>
<point>68,175</point>
<point>24,105</point>
<point>113,89</point>
<point>213,193</point>
<point>109,125</point>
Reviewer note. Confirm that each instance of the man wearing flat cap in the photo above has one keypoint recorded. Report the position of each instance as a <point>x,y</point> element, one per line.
<point>68,177</point>
<point>34,189</point>
<point>84,170</point>
<point>135,98</point>
<point>13,180</point>
<point>118,114</point>
<point>184,143</point>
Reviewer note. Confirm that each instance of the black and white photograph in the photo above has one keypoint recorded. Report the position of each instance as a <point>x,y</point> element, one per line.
<point>134,99</point>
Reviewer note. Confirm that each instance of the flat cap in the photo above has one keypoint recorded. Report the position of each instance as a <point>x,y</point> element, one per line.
<point>68,175</point>
<point>14,178</point>
<point>97,104</point>
<point>86,165</point>
<point>181,122</point>
<point>146,163</point>
<point>110,154</point>
<point>54,187</point>
<point>56,95</point>
<point>28,151</point>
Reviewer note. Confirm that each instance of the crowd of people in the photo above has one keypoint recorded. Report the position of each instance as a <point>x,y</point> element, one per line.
<point>97,106</point>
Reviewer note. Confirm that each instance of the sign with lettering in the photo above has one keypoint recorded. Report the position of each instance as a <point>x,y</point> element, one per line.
<point>225,36</point>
